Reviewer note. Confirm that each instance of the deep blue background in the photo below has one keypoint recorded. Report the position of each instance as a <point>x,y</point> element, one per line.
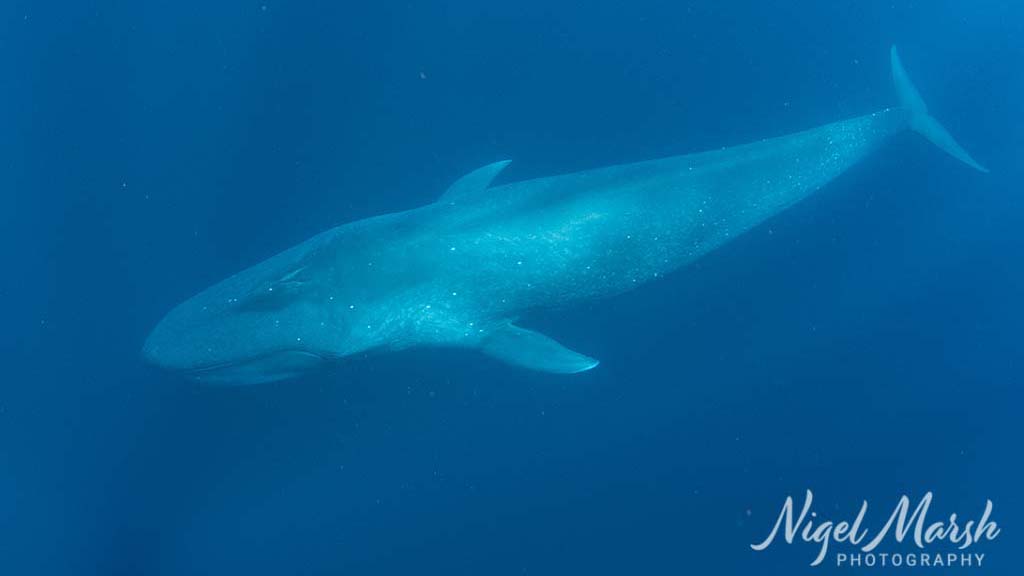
<point>865,344</point>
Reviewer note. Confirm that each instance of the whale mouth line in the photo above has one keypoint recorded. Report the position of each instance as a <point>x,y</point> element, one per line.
<point>227,365</point>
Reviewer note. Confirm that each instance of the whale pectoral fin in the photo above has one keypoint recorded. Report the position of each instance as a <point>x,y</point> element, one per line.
<point>534,351</point>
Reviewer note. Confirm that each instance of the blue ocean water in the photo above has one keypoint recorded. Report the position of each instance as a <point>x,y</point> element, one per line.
<point>864,344</point>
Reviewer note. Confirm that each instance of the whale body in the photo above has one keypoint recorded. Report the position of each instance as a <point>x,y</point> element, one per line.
<point>460,271</point>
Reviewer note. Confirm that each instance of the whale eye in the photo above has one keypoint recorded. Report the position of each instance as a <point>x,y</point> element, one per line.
<point>293,277</point>
<point>276,293</point>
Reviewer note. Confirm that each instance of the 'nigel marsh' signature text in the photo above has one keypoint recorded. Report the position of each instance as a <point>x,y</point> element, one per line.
<point>810,529</point>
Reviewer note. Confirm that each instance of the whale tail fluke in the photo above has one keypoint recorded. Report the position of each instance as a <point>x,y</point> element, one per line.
<point>920,121</point>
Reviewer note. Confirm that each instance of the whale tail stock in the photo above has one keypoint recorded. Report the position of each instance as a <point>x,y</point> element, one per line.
<point>920,121</point>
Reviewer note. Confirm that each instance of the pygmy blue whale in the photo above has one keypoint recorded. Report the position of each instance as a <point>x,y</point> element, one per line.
<point>460,271</point>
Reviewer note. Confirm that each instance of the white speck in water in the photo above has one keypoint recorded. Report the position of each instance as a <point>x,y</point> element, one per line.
<point>351,306</point>
<point>455,293</point>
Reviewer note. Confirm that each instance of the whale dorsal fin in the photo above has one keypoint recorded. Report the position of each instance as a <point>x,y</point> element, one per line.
<point>534,351</point>
<point>476,181</point>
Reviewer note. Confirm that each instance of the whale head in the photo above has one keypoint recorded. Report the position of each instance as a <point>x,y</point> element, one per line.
<point>264,324</point>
